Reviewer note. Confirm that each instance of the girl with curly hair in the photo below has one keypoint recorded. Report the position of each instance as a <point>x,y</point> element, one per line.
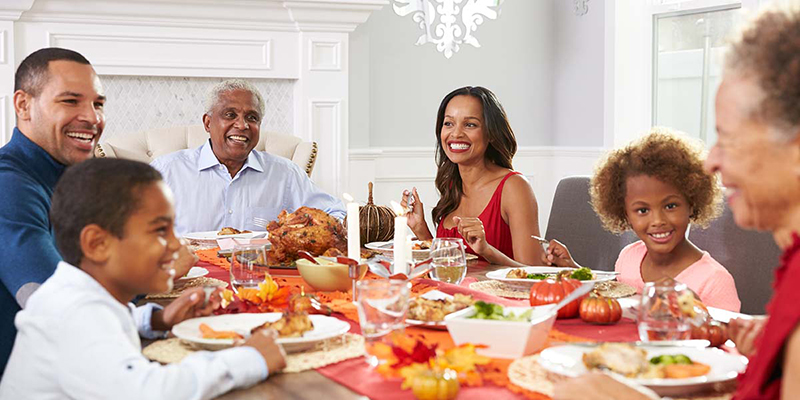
<point>656,186</point>
<point>483,200</point>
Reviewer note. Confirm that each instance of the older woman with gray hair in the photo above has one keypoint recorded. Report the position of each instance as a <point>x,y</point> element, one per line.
<point>225,182</point>
<point>758,158</point>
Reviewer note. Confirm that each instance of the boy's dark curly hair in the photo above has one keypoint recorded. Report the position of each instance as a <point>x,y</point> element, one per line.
<point>665,156</point>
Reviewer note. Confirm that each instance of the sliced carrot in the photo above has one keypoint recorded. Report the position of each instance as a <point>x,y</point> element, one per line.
<point>209,333</point>
<point>681,371</point>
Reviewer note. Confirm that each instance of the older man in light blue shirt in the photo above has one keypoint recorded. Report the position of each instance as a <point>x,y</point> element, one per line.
<point>225,182</point>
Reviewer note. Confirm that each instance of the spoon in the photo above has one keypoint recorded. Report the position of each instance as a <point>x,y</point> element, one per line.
<point>307,256</point>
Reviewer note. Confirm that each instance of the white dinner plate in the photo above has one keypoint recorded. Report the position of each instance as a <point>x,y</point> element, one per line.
<point>567,360</point>
<point>210,236</point>
<point>432,295</point>
<point>324,328</point>
<point>500,275</point>
<point>195,272</point>
<point>387,248</point>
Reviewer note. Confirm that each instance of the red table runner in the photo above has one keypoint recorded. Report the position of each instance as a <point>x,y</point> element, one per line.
<point>356,374</point>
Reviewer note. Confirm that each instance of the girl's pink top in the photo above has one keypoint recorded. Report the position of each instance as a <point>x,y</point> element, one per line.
<point>707,277</point>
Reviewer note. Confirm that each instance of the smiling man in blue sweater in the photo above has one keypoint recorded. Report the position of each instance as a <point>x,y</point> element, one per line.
<point>58,100</point>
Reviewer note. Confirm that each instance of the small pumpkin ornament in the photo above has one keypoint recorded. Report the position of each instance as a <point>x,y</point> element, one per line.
<point>551,291</point>
<point>376,222</point>
<point>597,309</point>
<point>713,331</point>
<point>436,385</point>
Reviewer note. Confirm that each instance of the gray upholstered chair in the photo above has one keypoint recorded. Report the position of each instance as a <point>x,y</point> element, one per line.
<point>146,145</point>
<point>574,223</point>
<point>751,257</point>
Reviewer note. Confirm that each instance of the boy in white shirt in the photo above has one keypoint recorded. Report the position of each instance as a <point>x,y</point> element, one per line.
<point>78,337</point>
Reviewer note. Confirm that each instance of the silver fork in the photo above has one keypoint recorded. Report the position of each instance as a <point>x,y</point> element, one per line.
<point>261,221</point>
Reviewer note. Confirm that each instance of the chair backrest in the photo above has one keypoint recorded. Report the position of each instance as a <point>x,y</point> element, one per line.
<point>147,145</point>
<point>749,256</point>
<point>574,223</point>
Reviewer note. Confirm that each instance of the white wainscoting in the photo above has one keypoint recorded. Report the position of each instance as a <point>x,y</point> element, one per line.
<point>397,168</point>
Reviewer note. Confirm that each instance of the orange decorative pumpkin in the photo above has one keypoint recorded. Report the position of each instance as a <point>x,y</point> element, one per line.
<point>435,385</point>
<point>714,331</point>
<point>551,291</point>
<point>597,309</point>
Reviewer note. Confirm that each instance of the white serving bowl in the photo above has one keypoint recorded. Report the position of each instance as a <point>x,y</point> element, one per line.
<point>505,339</point>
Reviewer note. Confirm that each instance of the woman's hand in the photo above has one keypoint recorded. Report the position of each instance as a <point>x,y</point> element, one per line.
<point>471,229</point>
<point>188,305</point>
<point>557,254</point>
<point>416,218</point>
<point>595,386</point>
<point>744,332</point>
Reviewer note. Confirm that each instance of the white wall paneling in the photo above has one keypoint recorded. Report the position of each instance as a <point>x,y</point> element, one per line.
<point>325,124</point>
<point>7,65</point>
<point>394,169</point>
<point>4,117</point>
<point>326,55</point>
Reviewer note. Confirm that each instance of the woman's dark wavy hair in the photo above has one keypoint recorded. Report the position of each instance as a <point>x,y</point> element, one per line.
<point>500,151</point>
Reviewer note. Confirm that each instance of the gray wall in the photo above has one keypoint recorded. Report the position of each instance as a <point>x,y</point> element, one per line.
<point>396,86</point>
<point>578,103</point>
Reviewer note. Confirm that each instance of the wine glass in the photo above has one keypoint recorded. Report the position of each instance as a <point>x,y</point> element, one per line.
<point>248,266</point>
<point>660,316</point>
<point>382,306</point>
<point>449,260</point>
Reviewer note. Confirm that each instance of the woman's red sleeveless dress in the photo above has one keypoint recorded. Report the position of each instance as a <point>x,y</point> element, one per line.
<point>762,379</point>
<point>498,233</point>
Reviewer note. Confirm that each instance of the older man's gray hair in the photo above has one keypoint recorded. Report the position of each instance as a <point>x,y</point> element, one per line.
<point>228,86</point>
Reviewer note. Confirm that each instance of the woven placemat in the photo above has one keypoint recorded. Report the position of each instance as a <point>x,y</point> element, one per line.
<point>183,284</point>
<point>528,374</point>
<point>612,289</point>
<point>327,352</point>
<point>497,288</point>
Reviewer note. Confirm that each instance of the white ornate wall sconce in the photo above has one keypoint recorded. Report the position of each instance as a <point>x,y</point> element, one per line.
<point>581,7</point>
<point>448,23</point>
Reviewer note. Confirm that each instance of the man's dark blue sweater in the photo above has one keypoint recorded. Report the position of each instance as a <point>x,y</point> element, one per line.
<point>28,254</point>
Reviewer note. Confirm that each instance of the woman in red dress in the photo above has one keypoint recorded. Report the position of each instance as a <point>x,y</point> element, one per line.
<point>483,200</point>
<point>758,157</point>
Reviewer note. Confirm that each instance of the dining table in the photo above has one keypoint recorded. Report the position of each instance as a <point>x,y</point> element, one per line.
<point>353,379</point>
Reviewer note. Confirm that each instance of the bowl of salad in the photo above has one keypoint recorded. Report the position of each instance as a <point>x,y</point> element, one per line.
<point>508,332</point>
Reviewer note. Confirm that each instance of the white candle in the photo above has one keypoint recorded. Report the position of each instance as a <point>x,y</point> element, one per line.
<point>353,230</point>
<point>401,249</point>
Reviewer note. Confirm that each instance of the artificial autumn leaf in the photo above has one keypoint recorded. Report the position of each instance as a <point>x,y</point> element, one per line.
<point>420,354</point>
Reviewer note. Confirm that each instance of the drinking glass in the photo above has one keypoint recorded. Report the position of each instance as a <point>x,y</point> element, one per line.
<point>449,260</point>
<point>660,317</point>
<point>248,266</point>
<point>382,306</point>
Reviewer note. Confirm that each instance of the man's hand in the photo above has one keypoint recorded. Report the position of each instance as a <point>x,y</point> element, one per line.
<point>186,259</point>
<point>188,305</point>
<point>264,341</point>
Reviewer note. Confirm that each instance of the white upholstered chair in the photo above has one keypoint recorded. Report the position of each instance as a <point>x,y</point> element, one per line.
<point>147,145</point>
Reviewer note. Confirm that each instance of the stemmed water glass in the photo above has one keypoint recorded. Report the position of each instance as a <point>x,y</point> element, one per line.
<point>449,260</point>
<point>382,306</point>
<point>248,266</point>
<point>660,316</point>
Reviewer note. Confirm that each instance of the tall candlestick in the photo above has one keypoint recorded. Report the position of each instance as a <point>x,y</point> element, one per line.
<point>353,231</point>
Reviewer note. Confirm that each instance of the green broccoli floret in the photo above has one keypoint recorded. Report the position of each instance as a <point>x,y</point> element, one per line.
<point>537,276</point>
<point>582,274</point>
